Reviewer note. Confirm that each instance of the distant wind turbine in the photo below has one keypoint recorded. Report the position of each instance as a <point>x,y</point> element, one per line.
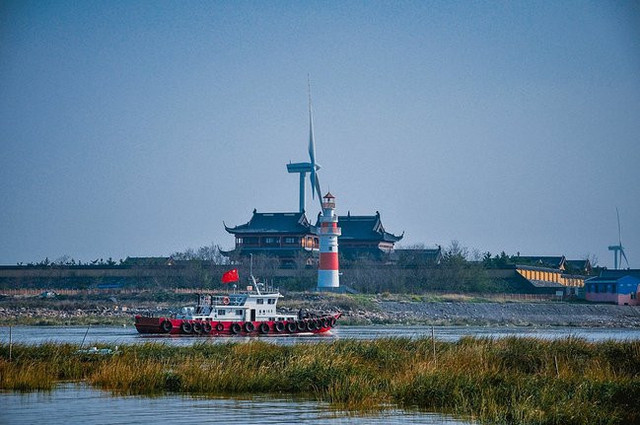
<point>618,250</point>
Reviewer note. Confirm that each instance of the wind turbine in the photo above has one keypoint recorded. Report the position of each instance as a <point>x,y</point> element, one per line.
<point>311,167</point>
<point>618,250</point>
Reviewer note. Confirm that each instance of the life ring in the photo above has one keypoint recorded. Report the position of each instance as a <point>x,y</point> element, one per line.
<point>219,327</point>
<point>263,328</point>
<point>248,327</point>
<point>301,326</point>
<point>279,327</point>
<point>206,327</point>
<point>292,327</point>
<point>166,326</point>
<point>235,328</point>
<point>197,327</point>
<point>186,327</point>
<point>225,301</point>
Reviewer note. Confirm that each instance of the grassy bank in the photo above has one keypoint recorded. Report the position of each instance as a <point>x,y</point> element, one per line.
<point>525,381</point>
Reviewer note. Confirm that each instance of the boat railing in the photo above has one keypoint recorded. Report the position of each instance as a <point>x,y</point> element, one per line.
<point>237,298</point>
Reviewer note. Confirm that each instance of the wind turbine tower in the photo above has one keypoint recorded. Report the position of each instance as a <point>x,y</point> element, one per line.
<point>618,250</point>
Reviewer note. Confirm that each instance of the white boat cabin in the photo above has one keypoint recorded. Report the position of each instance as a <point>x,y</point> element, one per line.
<point>252,305</point>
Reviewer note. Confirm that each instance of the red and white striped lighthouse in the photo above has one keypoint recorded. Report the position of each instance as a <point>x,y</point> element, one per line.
<point>328,273</point>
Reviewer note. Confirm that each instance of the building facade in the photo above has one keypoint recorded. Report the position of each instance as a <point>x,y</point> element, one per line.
<point>290,237</point>
<point>620,287</point>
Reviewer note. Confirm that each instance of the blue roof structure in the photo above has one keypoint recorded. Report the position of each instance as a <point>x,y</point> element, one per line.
<point>364,228</point>
<point>274,223</point>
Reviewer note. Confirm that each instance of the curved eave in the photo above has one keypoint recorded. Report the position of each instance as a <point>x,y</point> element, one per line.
<point>390,237</point>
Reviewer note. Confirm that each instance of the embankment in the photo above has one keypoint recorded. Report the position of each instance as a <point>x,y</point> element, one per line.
<point>359,309</point>
<point>519,314</point>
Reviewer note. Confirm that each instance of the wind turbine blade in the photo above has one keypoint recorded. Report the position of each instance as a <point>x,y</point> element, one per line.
<point>314,179</point>
<point>624,256</point>
<point>312,144</point>
<point>312,147</point>
<point>317,190</point>
<point>619,238</point>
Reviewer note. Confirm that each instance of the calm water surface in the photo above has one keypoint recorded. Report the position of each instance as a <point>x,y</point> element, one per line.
<point>128,335</point>
<point>80,404</point>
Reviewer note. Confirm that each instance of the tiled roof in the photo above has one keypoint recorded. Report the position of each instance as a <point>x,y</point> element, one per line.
<point>283,223</point>
<point>364,228</point>
<point>617,274</point>
<point>541,261</point>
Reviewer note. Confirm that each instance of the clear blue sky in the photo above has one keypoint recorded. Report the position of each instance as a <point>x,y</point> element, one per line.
<point>135,128</point>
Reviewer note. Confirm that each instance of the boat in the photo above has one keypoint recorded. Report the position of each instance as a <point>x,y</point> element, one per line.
<point>245,313</point>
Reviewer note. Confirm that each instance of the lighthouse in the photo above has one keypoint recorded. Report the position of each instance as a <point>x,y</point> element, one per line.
<point>328,277</point>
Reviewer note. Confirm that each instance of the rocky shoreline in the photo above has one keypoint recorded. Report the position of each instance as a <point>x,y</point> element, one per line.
<point>516,314</point>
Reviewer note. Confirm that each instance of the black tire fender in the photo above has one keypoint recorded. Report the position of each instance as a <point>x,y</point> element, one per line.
<point>186,327</point>
<point>166,326</point>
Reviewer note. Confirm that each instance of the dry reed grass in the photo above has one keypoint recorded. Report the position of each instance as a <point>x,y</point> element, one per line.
<point>510,380</point>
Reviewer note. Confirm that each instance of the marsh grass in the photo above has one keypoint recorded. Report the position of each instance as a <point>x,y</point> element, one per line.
<point>510,380</point>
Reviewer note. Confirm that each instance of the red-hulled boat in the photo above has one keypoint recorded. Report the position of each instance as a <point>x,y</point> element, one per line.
<point>251,312</point>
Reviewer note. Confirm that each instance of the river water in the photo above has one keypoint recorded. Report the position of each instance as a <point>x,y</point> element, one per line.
<point>79,403</point>
<point>114,335</point>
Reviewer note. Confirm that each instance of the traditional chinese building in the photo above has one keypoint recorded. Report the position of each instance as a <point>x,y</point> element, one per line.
<point>292,238</point>
<point>288,236</point>
<point>364,235</point>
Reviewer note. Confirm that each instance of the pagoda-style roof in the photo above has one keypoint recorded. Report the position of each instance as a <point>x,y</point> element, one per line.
<point>552,262</point>
<point>281,223</point>
<point>365,228</point>
<point>583,266</point>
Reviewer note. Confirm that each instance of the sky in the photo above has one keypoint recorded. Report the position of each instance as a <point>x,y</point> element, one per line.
<point>136,128</point>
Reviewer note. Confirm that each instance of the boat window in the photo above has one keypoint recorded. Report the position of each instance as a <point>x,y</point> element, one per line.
<point>221,312</point>
<point>260,301</point>
<point>271,300</point>
<point>238,312</point>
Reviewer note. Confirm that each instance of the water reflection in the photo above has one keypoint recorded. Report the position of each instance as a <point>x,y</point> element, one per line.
<point>72,403</point>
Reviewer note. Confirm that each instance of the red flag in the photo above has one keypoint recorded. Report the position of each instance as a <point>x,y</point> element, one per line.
<point>230,276</point>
